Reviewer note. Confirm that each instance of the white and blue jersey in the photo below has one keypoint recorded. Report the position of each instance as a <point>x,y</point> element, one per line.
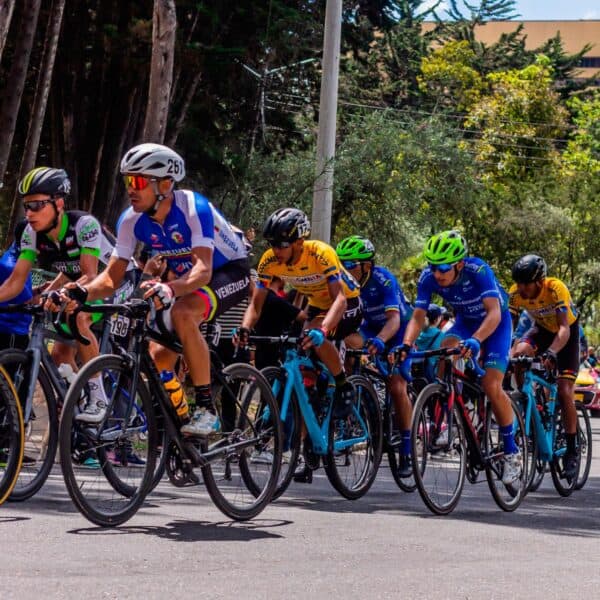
<point>475,283</point>
<point>192,222</point>
<point>380,294</point>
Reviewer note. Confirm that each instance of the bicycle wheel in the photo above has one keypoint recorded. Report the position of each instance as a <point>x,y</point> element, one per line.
<point>41,428</point>
<point>540,468</point>
<point>12,436</point>
<point>108,468</point>
<point>245,456</point>
<point>584,435</point>
<point>439,450</point>
<point>392,444</point>
<point>291,424</point>
<point>562,485</point>
<point>532,442</point>
<point>507,497</point>
<point>355,443</point>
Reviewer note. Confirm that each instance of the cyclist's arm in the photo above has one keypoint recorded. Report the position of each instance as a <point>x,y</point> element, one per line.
<point>391,327</point>
<point>15,283</point>
<point>88,263</point>
<point>491,320</point>
<point>562,335</point>
<point>336,310</point>
<point>255,307</point>
<point>414,327</point>
<point>200,274</point>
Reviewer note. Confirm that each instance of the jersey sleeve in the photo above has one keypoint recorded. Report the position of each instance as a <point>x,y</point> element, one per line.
<point>424,289</point>
<point>560,295</point>
<point>390,290</point>
<point>126,238</point>
<point>89,235</point>
<point>513,300</point>
<point>329,263</point>
<point>486,282</point>
<point>264,269</point>
<point>28,245</point>
<point>201,221</point>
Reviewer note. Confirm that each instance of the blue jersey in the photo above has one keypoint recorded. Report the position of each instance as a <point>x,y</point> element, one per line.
<point>15,323</point>
<point>475,283</point>
<point>192,222</point>
<point>380,294</point>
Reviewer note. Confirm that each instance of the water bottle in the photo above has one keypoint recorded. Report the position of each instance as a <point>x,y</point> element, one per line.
<point>65,370</point>
<point>176,393</point>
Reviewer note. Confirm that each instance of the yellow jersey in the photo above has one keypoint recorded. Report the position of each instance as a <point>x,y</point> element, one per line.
<point>553,297</point>
<point>317,266</point>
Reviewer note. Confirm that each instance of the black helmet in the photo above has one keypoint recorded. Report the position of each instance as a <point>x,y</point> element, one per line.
<point>44,180</point>
<point>286,225</point>
<point>529,268</point>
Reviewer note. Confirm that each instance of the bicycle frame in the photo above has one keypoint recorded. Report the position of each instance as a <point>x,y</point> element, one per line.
<point>318,433</point>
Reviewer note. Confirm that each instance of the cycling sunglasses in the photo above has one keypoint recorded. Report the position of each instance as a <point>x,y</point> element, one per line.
<point>350,264</point>
<point>443,268</point>
<point>35,205</point>
<point>137,182</point>
<point>276,244</point>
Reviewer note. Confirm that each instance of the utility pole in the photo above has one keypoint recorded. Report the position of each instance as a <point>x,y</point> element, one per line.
<point>323,189</point>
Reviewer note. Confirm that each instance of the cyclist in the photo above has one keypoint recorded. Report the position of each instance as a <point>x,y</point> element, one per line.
<point>554,334</point>
<point>386,312</point>
<point>70,242</point>
<point>207,262</point>
<point>483,324</point>
<point>313,269</point>
<point>430,339</point>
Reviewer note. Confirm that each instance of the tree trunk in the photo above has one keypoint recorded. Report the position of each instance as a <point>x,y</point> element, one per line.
<point>17,75</point>
<point>183,109</point>
<point>40,102</point>
<point>164,25</point>
<point>6,12</point>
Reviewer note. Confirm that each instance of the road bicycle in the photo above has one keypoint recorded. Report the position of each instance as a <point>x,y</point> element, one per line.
<point>455,436</point>
<point>239,485</point>
<point>349,448</point>
<point>12,436</point>
<point>377,372</point>
<point>545,432</point>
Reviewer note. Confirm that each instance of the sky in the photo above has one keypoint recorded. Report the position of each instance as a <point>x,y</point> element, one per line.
<point>532,10</point>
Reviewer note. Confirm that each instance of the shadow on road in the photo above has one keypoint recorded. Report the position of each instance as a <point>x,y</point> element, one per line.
<point>13,519</point>
<point>197,531</point>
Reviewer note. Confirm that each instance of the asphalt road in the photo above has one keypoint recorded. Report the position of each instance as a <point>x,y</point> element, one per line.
<point>309,544</point>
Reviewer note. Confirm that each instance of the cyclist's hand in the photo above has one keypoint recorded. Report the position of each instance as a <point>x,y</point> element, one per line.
<point>313,337</point>
<point>375,346</point>
<point>162,293</point>
<point>70,297</point>
<point>550,360</point>
<point>240,337</point>
<point>471,347</point>
<point>399,353</point>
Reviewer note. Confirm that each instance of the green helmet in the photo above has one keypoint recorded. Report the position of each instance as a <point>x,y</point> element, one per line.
<point>355,248</point>
<point>446,247</point>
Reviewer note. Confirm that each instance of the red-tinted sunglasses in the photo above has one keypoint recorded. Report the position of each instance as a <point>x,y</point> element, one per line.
<point>137,182</point>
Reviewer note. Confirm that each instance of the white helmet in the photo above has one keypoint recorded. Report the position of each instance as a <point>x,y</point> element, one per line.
<point>153,159</point>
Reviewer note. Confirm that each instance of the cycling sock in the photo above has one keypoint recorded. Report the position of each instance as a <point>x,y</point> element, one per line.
<point>340,379</point>
<point>571,443</point>
<point>509,439</point>
<point>203,397</point>
<point>405,446</point>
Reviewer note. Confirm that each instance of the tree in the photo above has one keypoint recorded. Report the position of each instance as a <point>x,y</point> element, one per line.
<point>164,24</point>
<point>6,12</point>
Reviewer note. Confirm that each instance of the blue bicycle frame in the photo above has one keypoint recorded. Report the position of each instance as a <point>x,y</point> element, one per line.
<point>318,433</point>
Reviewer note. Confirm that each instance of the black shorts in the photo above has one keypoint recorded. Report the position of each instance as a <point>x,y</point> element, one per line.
<point>567,359</point>
<point>229,286</point>
<point>349,323</point>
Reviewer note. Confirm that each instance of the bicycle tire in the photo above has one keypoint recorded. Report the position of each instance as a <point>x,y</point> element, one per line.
<point>108,507</point>
<point>584,431</point>
<point>291,432</point>
<point>429,419</point>
<point>562,485</point>
<point>406,484</point>
<point>367,407</point>
<point>12,436</point>
<point>507,497</point>
<point>41,442</point>
<point>237,489</point>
